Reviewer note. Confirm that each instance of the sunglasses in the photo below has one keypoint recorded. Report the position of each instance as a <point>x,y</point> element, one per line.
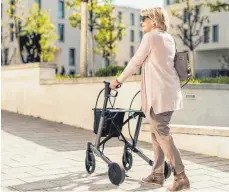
<point>144,17</point>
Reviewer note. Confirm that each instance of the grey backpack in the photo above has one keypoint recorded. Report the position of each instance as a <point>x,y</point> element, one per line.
<point>182,66</point>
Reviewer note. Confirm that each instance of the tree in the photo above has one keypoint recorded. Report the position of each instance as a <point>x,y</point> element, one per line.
<point>12,31</point>
<point>39,26</point>
<point>75,20</point>
<point>225,63</point>
<point>110,32</point>
<point>35,36</point>
<point>96,11</point>
<point>189,27</point>
<point>218,6</point>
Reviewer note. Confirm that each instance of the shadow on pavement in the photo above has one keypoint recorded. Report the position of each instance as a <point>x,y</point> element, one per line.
<point>63,138</point>
<point>78,182</point>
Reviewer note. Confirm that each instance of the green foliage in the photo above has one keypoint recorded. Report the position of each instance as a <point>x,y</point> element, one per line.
<point>215,80</point>
<point>38,22</point>
<point>189,31</point>
<point>111,70</point>
<point>218,6</point>
<point>12,10</point>
<point>106,72</point>
<point>218,80</point>
<point>109,29</point>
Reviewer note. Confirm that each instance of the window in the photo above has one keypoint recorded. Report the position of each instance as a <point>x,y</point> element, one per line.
<point>61,32</point>
<point>140,35</point>
<point>61,9</point>
<point>185,16</point>
<point>132,35</point>
<point>119,37</point>
<point>197,13</point>
<point>72,57</point>
<point>131,51</point>
<point>12,9</point>
<point>168,2</point>
<point>6,53</point>
<point>132,19</point>
<point>185,34</point>
<point>215,33</point>
<point>19,26</point>
<point>140,19</point>
<point>1,34</point>
<point>119,16</point>
<point>11,32</point>
<point>206,34</point>
<point>38,2</point>
<point>107,62</point>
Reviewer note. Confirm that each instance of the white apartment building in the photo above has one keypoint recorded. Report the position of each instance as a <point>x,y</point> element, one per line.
<point>68,44</point>
<point>130,42</point>
<point>215,38</point>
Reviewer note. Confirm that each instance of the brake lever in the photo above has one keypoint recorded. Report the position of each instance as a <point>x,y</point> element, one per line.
<point>116,93</point>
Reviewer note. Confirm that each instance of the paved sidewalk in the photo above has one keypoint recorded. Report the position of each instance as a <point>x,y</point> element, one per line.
<point>39,155</point>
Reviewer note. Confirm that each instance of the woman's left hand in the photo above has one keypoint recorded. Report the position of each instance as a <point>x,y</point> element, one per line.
<point>114,84</point>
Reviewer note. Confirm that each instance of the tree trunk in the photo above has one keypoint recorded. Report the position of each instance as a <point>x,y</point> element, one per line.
<point>17,52</point>
<point>192,62</point>
<point>92,54</point>
<point>83,43</point>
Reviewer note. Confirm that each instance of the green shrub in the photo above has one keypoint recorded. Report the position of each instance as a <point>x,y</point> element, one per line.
<point>216,80</point>
<point>111,70</point>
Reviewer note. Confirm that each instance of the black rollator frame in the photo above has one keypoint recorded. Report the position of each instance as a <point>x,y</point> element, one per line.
<point>110,125</point>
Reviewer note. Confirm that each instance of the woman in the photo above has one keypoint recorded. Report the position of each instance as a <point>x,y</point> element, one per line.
<point>160,93</point>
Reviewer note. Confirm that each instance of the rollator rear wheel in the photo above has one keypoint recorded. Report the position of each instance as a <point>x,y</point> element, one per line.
<point>127,160</point>
<point>90,162</point>
<point>167,171</point>
<point>116,173</point>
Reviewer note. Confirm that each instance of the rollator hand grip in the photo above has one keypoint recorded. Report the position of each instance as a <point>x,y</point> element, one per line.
<point>118,86</point>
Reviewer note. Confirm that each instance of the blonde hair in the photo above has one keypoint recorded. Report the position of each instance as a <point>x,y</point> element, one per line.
<point>158,15</point>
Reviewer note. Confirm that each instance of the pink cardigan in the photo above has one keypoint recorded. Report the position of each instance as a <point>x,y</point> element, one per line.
<point>160,85</point>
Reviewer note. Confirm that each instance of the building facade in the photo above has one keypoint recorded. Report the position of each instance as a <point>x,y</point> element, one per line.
<point>68,43</point>
<point>214,38</point>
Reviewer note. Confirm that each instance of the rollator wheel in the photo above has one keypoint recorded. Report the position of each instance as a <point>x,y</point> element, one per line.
<point>116,173</point>
<point>167,171</point>
<point>90,162</point>
<point>127,160</point>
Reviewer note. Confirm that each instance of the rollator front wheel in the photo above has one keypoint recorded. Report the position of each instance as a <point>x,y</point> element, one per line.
<point>90,162</point>
<point>127,160</point>
<point>116,173</point>
<point>167,171</point>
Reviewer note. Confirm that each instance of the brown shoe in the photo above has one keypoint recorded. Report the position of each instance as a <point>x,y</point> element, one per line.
<point>180,182</point>
<point>154,179</point>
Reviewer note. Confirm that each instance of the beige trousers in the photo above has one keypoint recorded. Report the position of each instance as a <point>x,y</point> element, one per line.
<point>163,144</point>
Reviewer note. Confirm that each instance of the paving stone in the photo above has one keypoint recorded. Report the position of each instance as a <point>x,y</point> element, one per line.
<point>9,183</point>
<point>223,187</point>
<point>7,189</point>
<point>221,180</point>
<point>221,175</point>
<point>40,155</point>
<point>210,189</point>
<point>34,186</point>
<point>204,184</point>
